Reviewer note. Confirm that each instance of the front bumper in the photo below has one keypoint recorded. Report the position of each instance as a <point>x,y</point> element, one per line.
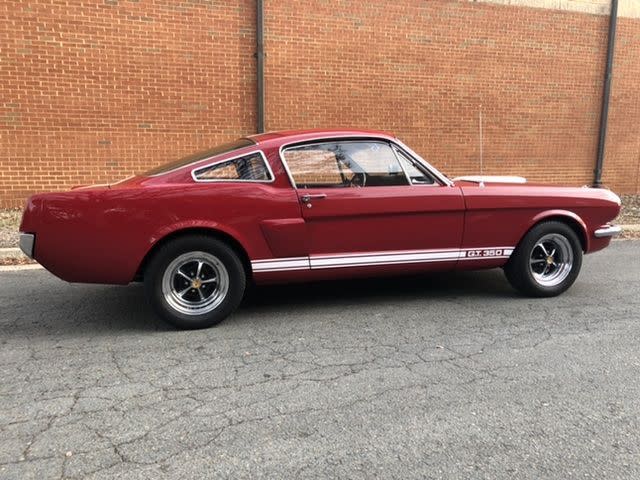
<point>608,231</point>
<point>27,243</point>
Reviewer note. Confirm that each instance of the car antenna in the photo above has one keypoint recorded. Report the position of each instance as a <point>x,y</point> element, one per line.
<point>481,139</point>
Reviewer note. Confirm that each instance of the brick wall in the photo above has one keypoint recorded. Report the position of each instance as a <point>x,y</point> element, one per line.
<point>423,69</point>
<point>94,91</point>
<point>622,161</point>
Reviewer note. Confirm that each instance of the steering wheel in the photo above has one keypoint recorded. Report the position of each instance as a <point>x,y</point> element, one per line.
<point>358,180</point>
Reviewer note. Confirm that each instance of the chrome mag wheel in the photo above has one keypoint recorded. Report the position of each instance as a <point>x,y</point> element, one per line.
<point>551,260</point>
<point>195,283</point>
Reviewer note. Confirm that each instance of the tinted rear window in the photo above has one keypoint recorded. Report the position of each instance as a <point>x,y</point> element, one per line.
<point>196,157</point>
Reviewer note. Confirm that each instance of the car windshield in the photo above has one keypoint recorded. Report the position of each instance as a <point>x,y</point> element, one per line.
<point>196,157</point>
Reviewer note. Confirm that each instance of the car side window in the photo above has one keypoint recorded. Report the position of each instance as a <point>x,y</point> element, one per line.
<point>251,168</point>
<point>345,164</point>
<point>416,175</point>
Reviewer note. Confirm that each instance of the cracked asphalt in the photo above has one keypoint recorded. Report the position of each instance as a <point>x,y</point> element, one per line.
<point>448,376</point>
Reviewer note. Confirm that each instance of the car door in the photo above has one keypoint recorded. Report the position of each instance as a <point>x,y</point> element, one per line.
<point>368,203</point>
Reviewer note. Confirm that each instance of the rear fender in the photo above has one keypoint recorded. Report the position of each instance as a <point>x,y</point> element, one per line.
<point>167,230</point>
<point>193,227</point>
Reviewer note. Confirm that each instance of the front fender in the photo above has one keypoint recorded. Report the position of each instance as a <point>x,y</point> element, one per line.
<point>559,214</point>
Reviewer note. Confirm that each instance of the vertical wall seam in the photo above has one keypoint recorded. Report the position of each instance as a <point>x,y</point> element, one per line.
<point>260,66</point>
<point>606,94</point>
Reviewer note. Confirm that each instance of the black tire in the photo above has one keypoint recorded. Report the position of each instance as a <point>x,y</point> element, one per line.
<point>219,262</point>
<point>529,278</point>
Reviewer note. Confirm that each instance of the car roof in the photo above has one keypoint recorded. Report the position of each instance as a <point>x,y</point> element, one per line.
<point>292,136</point>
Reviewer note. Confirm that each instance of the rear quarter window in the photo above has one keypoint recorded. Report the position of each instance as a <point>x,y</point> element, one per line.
<point>252,167</point>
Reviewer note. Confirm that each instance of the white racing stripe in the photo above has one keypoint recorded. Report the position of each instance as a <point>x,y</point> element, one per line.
<point>315,262</point>
<point>280,264</point>
<point>382,259</point>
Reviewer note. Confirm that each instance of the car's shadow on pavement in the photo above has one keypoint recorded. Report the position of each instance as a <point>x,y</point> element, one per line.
<point>79,310</point>
<point>485,284</point>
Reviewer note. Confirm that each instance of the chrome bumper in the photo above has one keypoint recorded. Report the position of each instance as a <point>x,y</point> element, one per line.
<point>27,241</point>
<point>608,231</point>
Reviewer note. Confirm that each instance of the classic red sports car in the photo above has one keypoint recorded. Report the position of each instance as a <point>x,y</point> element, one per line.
<point>309,205</point>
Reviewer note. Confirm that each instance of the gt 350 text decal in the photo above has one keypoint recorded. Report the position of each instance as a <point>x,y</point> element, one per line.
<point>488,252</point>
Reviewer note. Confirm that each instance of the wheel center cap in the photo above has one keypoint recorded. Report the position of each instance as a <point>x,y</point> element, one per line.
<point>549,260</point>
<point>196,283</point>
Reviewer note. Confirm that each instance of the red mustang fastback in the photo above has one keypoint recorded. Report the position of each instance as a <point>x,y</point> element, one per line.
<point>309,205</point>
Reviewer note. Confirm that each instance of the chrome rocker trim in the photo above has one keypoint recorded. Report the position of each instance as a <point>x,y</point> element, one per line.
<point>608,231</point>
<point>27,242</point>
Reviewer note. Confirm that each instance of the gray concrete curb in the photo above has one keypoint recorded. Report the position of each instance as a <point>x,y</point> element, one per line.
<point>16,260</point>
<point>19,268</point>
<point>13,257</point>
<point>11,253</point>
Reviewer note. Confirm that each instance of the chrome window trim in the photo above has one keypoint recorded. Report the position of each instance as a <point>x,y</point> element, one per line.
<point>238,180</point>
<point>394,142</point>
<point>286,166</point>
<point>369,139</point>
<point>397,152</point>
<point>430,168</point>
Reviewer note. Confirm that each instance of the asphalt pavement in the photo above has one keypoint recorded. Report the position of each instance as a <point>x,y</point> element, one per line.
<point>447,376</point>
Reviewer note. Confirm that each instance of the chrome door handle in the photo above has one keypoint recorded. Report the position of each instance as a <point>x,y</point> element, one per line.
<point>307,198</point>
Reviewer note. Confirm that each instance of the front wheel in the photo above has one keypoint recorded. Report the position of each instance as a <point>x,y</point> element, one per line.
<point>195,282</point>
<point>547,260</point>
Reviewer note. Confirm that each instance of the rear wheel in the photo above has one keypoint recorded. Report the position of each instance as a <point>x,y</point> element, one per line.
<point>195,282</point>
<point>547,260</point>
